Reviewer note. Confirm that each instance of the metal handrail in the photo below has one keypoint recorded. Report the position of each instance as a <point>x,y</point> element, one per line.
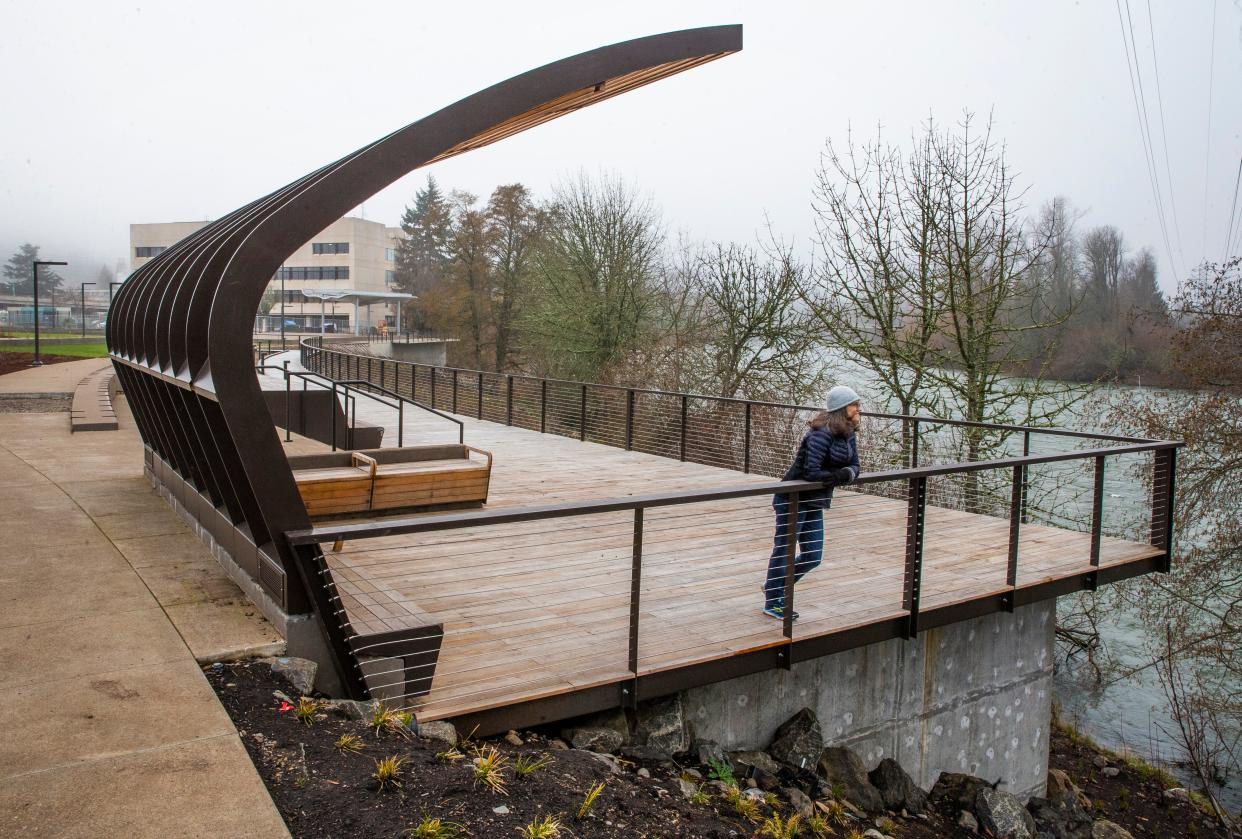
<point>358,385</point>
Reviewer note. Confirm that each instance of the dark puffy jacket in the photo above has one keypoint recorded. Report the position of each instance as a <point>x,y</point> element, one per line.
<point>819,454</point>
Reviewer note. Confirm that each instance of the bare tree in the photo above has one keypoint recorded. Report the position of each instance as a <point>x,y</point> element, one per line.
<point>878,293</point>
<point>1104,251</point>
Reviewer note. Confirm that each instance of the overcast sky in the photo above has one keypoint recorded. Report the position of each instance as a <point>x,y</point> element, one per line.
<point>160,111</point>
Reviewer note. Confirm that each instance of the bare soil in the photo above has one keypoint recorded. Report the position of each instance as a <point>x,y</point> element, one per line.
<point>11,362</point>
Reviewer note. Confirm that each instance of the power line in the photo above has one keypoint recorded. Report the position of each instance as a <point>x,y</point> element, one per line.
<point>1164,137</point>
<point>1144,136</point>
<point>1207,152</point>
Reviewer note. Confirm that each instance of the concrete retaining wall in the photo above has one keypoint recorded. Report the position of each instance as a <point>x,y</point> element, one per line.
<point>972,697</point>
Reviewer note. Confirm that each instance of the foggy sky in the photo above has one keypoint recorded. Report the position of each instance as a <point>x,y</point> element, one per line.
<point>143,112</point>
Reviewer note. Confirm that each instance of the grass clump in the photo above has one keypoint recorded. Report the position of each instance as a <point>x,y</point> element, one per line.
<point>348,743</point>
<point>450,755</point>
<point>700,796</point>
<point>385,718</point>
<point>587,803</point>
<point>747,808</point>
<point>834,810</point>
<point>434,828</point>
<point>885,825</point>
<point>818,826</point>
<point>774,827</point>
<point>489,767</point>
<point>306,710</point>
<point>529,764</point>
<point>388,770</point>
<point>549,827</point>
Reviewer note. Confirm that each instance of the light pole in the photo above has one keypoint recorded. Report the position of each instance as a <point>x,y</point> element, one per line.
<point>34,276</point>
<point>282,307</point>
<point>111,286</point>
<point>84,285</point>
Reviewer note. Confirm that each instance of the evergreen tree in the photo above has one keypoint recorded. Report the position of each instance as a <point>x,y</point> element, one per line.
<point>422,256</point>
<point>18,271</point>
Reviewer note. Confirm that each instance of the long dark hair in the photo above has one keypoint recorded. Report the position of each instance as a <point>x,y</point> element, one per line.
<point>836,422</point>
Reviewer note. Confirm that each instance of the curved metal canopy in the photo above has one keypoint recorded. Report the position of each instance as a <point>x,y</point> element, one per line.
<point>179,331</point>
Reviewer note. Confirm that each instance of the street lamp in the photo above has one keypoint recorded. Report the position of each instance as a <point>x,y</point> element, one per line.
<point>111,286</point>
<point>34,272</point>
<point>84,285</point>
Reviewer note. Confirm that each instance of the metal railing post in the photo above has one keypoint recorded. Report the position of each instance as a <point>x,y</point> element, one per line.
<point>480,411</point>
<point>543,405</point>
<point>509,400</point>
<point>915,517</point>
<point>684,401</point>
<point>400,423</point>
<point>432,373</point>
<point>1163,489</point>
<point>1015,531</point>
<point>746,443</point>
<point>582,415</point>
<point>1026,450</point>
<point>791,546</point>
<point>454,390</point>
<point>1097,513</point>
<point>914,448</point>
<point>629,420</point>
<point>332,414</point>
<point>636,576</point>
<point>288,401</point>
<point>383,378</point>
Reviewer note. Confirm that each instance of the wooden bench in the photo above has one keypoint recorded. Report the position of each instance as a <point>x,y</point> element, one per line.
<point>92,402</point>
<point>384,480</point>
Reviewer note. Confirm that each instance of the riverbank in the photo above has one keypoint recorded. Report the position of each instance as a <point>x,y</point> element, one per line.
<point>340,767</point>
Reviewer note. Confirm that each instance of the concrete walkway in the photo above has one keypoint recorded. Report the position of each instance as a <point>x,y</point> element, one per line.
<point>106,602</point>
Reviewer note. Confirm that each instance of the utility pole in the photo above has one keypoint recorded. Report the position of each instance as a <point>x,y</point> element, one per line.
<point>84,285</point>
<point>34,272</point>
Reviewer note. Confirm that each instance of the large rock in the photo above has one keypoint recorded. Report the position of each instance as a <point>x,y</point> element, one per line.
<point>439,730</point>
<point>841,766</point>
<point>1002,815</point>
<point>800,802</point>
<point>1104,829</point>
<point>707,752</point>
<point>662,726</point>
<point>606,732</point>
<point>957,790</point>
<point>1060,819</point>
<point>299,672</point>
<point>897,789</point>
<point>743,761</point>
<point>799,741</point>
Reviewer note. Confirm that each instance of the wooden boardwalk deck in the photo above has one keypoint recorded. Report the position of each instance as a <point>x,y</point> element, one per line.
<point>539,608</point>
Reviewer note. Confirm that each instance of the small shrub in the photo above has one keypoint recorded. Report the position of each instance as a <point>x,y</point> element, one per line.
<point>585,807</point>
<point>886,825</point>
<point>771,799</point>
<point>489,767</point>
<point>819,826</point>
<point>775,827</point>
<point>432,828</point>
<point>349,743</point>
<point>528,764</point>
<point>700,796</point>
<point>732,794</point>
<point>450,755</point>
<point>549,827</point>
<point>306,710</point>
<point>721,770</point>
<point>833,809</point>
<point>382,717</point>
<point>388,770</point>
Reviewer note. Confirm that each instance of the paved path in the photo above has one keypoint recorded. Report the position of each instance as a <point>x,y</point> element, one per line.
<point>106,600</point>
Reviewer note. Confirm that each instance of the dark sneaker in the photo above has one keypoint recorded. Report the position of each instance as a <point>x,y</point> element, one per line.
<point>777,610</point>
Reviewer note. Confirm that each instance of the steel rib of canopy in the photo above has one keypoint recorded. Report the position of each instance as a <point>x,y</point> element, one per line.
<point>179,330</point>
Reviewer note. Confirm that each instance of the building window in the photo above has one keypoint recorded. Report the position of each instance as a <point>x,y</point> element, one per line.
<point>148,252</point>
<point>329,247</point>
<point>390,254</point>
<point>319,272</point>
<point>390,277</point>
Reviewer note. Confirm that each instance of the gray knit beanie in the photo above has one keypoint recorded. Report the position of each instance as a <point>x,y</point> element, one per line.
<point>839,397</point>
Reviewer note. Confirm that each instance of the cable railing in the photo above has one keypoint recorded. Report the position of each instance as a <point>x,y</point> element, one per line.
<point>615,591</point>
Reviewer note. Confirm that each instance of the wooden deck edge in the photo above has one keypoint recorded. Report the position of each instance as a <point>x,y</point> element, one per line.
<point>495,717</point>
